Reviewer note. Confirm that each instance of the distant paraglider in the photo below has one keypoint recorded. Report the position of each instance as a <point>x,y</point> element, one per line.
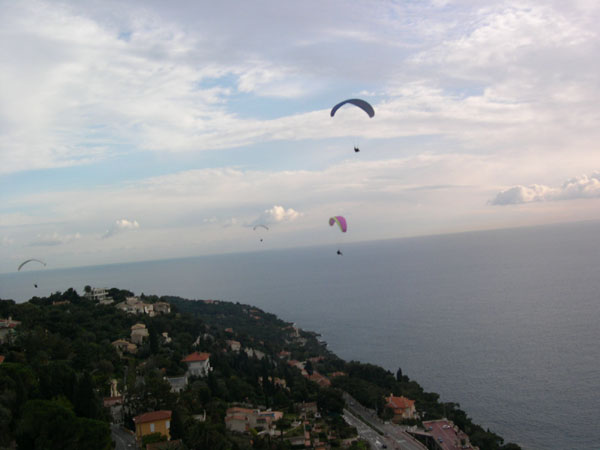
<point>261,226</point>
<point>365,106</point>
<point>28,261</point>
<point>341,221</point>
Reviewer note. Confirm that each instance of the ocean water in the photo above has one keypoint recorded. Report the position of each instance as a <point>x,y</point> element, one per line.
<point>505,323</point>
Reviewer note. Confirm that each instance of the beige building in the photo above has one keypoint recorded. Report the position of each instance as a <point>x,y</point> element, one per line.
<point>162,308</point>
<point>235,346</point>
<point>243,419</point>
<point>139,332</point>
<point>124,346</point>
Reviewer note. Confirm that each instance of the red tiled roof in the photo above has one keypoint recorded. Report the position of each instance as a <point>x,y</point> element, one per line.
<point>152,416</point>
<point>238,409</point>
<point>196,357</point>
<point>1,359</point>
<point>400,402</point>
<point>236,417</point>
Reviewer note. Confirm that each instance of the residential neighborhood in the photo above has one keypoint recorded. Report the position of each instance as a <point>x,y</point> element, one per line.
<point>168,373</point>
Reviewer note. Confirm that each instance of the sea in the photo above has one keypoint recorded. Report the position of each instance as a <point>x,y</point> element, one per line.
<point>505,323</point>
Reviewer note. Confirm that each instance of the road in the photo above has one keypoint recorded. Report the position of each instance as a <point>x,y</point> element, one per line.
<point>124,439</point>
<point>394,436</point>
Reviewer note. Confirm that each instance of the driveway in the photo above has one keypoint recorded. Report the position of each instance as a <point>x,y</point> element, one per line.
<point>124,439</point>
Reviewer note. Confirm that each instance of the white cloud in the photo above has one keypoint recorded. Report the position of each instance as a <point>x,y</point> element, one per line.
<point>580,187</point>
<point>120,226</point>
<point>6,241</point>
<point>278,214</point>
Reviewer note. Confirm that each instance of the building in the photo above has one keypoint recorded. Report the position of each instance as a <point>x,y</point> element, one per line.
<point>280,382</point>
<point>243,419</point>
<point>307,408</point>
<point>403,408</point>
<point>153,422</point>
<point>162,308</point>
<point>251,352</point>
<point>444,435</point>
<point>138,333</point>
<point>124,346</point>
<point>115,407</point>
<point>235,346</point>
<point>2,357</point>
<point>284,354</point>
<point>100,295</point>
<point>198,364</point>
<point>7,329</point>
<point>321,380</point>
<point>178,384</point>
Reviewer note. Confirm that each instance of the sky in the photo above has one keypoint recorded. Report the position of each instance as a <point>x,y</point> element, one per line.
<point>144,130</point>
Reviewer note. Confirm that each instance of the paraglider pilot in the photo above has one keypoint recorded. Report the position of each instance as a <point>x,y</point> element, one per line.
<point>339,252</point>
<point>356,149</point>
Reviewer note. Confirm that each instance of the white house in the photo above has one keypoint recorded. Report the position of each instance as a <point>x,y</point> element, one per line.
<point>198,364</point>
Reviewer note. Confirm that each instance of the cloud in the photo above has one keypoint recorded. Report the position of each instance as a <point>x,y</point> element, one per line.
<point>6,241</point>
<point>278,214</point>
<point>583,186</point>
<point>52,239</point>
<point>120,226</point>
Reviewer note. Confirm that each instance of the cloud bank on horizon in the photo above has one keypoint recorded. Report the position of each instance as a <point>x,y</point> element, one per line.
<point>583,186</point>
<point>196,121</point>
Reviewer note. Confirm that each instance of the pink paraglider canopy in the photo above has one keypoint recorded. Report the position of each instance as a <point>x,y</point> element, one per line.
<point>340,220</point>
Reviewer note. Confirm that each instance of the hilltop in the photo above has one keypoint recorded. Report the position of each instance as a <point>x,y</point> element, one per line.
<point>230,376</point>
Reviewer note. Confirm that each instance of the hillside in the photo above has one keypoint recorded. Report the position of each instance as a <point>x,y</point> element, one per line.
<point>73,364</point>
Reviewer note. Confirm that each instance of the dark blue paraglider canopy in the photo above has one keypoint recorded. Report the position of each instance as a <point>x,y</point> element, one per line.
<point>366,107</point>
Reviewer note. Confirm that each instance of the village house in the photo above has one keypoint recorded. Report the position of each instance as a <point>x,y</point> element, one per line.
<point>138,333</point>
<point>284,354</point>
<point>99,295</point>
<point>2,357</point>
<point>166,337</point>
<point>162,308</point>
<point>124,346</point>
<point>243,419</point>
<point>198,364</point>
<point>307,408</point>
<point>299,365</point>
<point>251,352</point>
<point>115,407</point>
<point>321,380</point>
<point>7,329</point>
<point>60,302</point>
<point>153,422</point>
<point>280,382</point>
<point>178,384</point>
<point>403,408</point>
<point>235,346</point>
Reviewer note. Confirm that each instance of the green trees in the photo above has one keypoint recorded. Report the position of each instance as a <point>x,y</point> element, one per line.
<point>48,424</point>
